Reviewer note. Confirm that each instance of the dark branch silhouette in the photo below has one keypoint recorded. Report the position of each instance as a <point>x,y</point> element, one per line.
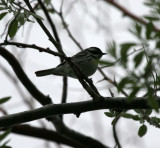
<point>46,134</point>
<point>74,108</point>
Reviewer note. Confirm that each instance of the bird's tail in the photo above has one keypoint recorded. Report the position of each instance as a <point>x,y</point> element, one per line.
<point>44,72</point>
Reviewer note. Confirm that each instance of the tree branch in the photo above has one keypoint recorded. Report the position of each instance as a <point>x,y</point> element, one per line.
<point>129,14</point>
<point>74,108</point>
<point>24,78</point>
<point>56,44</point>
<point>46,134</point>
<point>50,21</point>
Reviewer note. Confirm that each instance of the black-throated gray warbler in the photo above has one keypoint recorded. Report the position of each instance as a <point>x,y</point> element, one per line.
<point>87,61</point>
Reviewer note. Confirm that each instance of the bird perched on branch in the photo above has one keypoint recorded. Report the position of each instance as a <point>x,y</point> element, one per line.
<point>86,60</point>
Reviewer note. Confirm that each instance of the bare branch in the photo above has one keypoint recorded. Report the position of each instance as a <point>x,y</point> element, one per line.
<point>56,44</point>
<point>46,134</point>
<point>74,108</point>
<point>129,14</point>
<point>24,78</point>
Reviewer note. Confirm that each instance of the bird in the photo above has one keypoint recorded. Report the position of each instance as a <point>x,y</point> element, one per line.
<point>86,60</point>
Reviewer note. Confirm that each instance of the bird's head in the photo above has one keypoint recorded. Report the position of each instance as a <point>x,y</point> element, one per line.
<point>95,52</point>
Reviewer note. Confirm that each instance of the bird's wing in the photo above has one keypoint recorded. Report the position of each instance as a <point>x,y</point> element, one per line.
<point>79,55</point>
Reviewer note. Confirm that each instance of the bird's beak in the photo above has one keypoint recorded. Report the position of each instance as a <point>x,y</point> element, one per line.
<point>104,53</point>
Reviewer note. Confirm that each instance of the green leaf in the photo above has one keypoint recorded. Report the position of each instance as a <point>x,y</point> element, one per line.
<point>11,1</point>
<point>142,130</point>
<point>149,29</point>
<point>111,49</point>
<point>151,18</point>
<point>2,8</point>
<point>148,69</point>
<point>124,51</point>
<point>2,15</point>
<point>151,99</point>
<point>47,2</point>
<point>5,144</point>
<point>123,82</point>
<point>3,100</point>
<point>148,111</point>
<point>155,119</point>
<point>21,18</point>
<point>137,111</point>
<point>138,28</point>
<point>36,16</point>
<point>51,11</point>
<point>138,59</point>
<point>148,3</point>
<point>108,114</point>
<point>12,29</point>
<point>133,93</point>
<point>130,116</point>
<point>5,134</point>
<point>125,47</point>
<point>158,44</point>
<point>106,63</point>
<point>153,103</point>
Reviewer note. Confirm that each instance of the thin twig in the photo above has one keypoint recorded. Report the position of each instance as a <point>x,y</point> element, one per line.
<point>129,14</point>
<point>65,84</point>
<point>54,30</point>
<point>115,133</point>
<point>60,14</point>
<point>119,59</point>
<point>112,82</point>
<point>55,43</point>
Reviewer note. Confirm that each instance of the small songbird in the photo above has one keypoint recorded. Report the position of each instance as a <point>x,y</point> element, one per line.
<point>87,61</point>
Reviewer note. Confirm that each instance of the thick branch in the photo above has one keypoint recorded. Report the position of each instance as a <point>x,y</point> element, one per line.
<point>74,108</point>
<point>46,134</point>
<point>24,78</point>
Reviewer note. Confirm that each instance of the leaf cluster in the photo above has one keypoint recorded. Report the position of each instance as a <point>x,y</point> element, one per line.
<point>20,15</point>
<point>140,61</point>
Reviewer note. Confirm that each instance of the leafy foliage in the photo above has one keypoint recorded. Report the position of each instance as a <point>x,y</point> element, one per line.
<point>3,137</point>
<point>20,15</point>
<point>140,61</point>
